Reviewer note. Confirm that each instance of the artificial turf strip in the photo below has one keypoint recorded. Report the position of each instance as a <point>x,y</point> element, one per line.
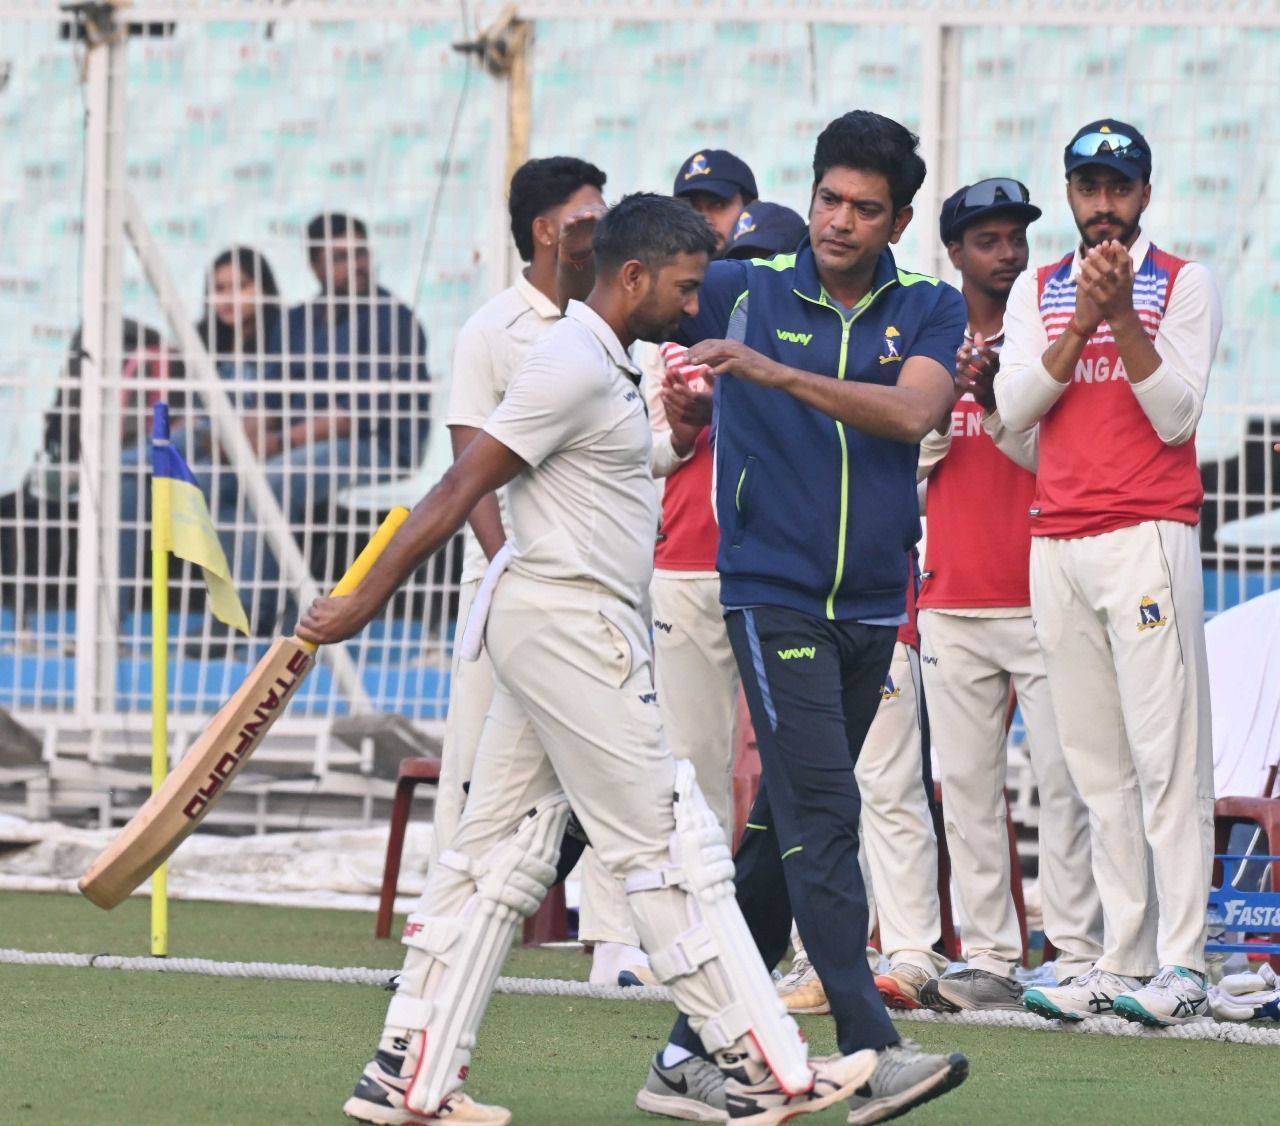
<point>107,1047</point>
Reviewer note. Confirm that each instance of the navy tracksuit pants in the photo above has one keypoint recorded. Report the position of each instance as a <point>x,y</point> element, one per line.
<point>813,687</point>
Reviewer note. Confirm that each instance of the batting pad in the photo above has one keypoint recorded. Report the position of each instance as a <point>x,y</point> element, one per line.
<point>453,961</point>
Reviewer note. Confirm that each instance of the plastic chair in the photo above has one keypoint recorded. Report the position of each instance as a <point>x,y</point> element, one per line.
<point>1263,812</point>
<point>549,924</point>
<point>425,768</point>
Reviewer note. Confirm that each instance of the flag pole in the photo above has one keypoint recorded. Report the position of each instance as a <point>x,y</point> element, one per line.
<point>159,676</point>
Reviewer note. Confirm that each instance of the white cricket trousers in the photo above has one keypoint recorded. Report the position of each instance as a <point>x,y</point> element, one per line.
<point>969,664</point>
<point>470,690</point>
<point>899,853</point>
<point>1120,618</point>
<point>574,711</point>
<point>697,681</point>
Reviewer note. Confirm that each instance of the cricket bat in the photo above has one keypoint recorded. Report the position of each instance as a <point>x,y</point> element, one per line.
<point>172,813</point>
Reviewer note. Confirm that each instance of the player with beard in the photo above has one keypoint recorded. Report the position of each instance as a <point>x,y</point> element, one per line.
<point>1109,350</point>
<point>977,639</point>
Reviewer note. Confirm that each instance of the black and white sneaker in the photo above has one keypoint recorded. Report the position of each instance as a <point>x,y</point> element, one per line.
<point>692,1089</point>
<point>766,1103</point>
<point>379,1098</point>
<point>904,1078</point>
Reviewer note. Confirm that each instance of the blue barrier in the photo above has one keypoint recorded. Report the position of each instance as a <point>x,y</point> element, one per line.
<point>1241,911</point>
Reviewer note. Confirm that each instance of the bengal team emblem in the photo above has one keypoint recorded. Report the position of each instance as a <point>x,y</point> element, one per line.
<point>889,690</point>
<point>892,353</point>
<point>1149,616</point>
<point>697,166</point>
<point>746,224</point>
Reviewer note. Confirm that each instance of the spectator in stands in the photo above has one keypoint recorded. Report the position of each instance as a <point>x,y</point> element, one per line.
<point>978,640</point>
<point>38,523</point>
<point>1109,349</point>
<point>242,317</point>
<point>355,333</point>
<point>717,185</point>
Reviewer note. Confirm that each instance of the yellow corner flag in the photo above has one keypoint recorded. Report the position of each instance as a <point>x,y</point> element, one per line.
<point>180,523</point>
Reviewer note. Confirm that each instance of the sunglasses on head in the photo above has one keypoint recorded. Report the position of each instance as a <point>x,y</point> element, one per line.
<point>1108,144</point>
<point>989,192</point>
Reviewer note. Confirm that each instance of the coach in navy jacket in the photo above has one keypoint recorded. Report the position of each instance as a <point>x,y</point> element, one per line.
<point>816,514</point>
<point>830,365</point>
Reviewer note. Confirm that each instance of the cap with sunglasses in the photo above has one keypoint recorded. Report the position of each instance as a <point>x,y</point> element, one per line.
<point>985,200</point>
<point>1113,144</point>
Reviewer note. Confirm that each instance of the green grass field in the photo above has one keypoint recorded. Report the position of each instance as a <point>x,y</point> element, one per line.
<point>104,1047</point>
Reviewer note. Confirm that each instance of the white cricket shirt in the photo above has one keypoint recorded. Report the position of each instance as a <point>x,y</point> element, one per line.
<point>587,507</point>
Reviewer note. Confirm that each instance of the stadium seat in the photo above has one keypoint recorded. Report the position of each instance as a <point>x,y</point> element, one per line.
<point>37,681</point>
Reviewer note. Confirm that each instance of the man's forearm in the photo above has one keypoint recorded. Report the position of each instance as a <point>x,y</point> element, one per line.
<point>574,280</point>
<point>1136,350</point>
<point>486,517</point>
<point>902,414</point>
<point>1061,357</point>
<point>486,522</point>
<point>318,429</point>
<point>1024,395</point>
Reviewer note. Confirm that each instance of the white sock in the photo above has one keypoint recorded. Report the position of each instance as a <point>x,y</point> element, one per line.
<point>673,1054</point>
<point>609,959</point>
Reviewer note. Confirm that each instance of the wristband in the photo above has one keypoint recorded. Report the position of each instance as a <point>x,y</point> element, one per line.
<point>1076,330</point>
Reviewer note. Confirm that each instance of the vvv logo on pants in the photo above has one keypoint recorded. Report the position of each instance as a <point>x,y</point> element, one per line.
<point>804,653</point>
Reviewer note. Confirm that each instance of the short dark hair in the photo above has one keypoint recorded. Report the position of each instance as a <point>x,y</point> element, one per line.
<point>652,229</point>
<point>331,225</point>
<point>871,142</point>
<point>538,186</point>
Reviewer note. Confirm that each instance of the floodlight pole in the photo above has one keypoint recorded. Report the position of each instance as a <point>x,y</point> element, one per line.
<point>101,318</point>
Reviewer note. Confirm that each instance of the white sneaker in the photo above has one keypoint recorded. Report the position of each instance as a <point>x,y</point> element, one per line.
<point>1089,995</point>
<point>835,1078</point>
<point>796,976</point>
<point>614,963</point>
<point>1174,996</point>
<point>802,991</point>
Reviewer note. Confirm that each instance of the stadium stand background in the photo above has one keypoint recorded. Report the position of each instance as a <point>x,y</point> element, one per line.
<point>245,117</point>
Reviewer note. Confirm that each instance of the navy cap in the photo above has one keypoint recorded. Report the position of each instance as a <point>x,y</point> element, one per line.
<point>1111,143</point>
<point>1000,195</point>
<point>718,172</point>
<point>766,229</point>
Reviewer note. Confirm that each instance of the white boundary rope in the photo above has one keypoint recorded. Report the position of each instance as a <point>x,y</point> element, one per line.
<point>548,987</point>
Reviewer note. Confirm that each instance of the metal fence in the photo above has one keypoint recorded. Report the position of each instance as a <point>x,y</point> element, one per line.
<point>130,162</point>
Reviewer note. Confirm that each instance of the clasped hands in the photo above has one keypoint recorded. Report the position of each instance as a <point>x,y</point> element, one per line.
<point>1104,289</point>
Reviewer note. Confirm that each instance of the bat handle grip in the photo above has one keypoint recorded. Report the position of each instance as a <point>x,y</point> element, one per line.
<point>366,559</point>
